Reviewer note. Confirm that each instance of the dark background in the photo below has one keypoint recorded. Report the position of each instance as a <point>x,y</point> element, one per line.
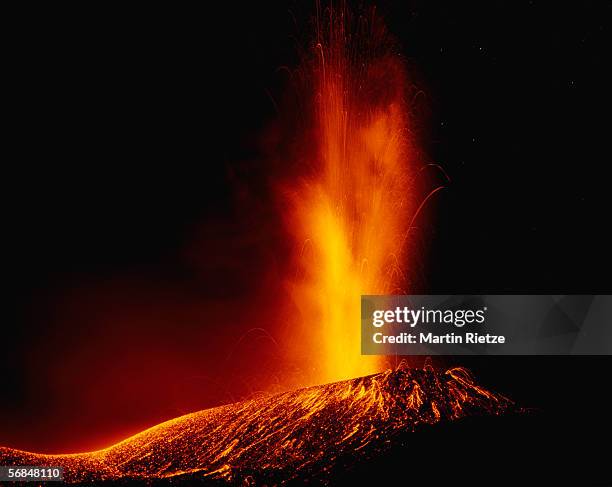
<point>138,215</point>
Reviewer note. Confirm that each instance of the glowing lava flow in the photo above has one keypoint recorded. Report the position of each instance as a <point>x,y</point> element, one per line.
<point>299,434</point>
<point>350,214</point>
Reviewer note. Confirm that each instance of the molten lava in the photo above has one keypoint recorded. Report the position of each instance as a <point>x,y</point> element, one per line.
<point>299,434</point>
<point>350,213</point>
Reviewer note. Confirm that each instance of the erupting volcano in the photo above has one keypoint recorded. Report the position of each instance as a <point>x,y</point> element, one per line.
<point>348,213</point>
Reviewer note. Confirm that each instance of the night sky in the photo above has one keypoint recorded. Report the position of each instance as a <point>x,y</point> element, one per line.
<point>143,240</point>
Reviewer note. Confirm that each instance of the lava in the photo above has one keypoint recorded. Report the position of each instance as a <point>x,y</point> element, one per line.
<point>351,204</point>
<point>292,435</point>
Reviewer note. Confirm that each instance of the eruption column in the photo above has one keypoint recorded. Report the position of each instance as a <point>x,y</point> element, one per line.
<point>350,213</point>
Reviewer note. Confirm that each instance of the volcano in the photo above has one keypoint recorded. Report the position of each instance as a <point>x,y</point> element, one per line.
<point>305,434</point>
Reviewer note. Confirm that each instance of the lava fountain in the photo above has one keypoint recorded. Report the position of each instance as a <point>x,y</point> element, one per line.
<point>350,211</point>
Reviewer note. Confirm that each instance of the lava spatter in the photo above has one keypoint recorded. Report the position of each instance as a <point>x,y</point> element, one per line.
<point>285,436</point>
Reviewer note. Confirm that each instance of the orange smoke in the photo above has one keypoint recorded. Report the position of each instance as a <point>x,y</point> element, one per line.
<point>350,214</point>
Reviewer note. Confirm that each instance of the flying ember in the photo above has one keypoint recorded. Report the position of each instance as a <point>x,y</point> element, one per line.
<point>350,209</point>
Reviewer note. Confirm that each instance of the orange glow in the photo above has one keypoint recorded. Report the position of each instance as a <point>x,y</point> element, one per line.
<point>350,216</point>
<point>290,436</point>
